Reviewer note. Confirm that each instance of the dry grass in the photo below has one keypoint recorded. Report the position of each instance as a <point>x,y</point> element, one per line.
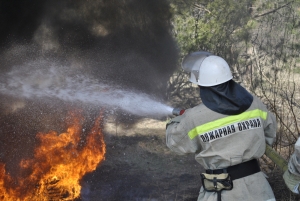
<point>165,175</point>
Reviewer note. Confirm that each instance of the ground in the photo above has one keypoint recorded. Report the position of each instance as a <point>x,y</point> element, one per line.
<point>138,164</point>
<point>139,167</point>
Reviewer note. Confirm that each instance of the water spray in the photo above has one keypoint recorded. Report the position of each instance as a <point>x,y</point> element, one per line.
<point>56,83</point>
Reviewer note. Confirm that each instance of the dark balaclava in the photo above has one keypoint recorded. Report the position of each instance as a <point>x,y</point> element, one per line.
<point>228,98</point>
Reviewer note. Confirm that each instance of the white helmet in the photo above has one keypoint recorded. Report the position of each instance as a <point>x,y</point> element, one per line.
<point>206,69</point>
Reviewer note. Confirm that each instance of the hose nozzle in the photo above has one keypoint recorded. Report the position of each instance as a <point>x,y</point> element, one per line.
<point>178,111</point>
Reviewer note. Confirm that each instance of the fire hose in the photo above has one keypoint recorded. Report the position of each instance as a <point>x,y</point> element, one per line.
<point>276,158</point>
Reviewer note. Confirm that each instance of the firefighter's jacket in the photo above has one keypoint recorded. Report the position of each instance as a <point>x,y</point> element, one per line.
<point>219,141</point>
<point>292,175</point>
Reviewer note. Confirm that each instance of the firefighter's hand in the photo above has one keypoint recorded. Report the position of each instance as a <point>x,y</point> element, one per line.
<point>174,120</point>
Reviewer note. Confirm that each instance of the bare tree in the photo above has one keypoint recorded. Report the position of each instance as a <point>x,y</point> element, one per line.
<point>260,41</point>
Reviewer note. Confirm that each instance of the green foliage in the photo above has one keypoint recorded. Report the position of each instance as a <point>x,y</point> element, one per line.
<point>212,25</point>
<point>296,70</point>
<point>260,41</point>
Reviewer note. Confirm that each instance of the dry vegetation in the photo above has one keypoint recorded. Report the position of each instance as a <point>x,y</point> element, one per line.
<point>140,167</point>
<point>260,41</point>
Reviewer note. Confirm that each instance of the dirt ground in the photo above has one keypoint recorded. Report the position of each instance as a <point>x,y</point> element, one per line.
<point>139,167</point>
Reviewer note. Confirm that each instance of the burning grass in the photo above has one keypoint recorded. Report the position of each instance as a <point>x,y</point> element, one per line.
<point>59,163</point>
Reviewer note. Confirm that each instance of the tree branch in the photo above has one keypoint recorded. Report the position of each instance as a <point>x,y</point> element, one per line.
<point>272,11</point>
<point>201,8</point>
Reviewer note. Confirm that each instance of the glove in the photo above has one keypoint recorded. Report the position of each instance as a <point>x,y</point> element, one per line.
<point>174,120</point>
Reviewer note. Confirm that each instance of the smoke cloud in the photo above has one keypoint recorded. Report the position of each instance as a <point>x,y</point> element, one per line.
<point>125,42</point>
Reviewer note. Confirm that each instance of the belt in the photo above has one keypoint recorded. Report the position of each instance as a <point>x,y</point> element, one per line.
<point>238,171</point>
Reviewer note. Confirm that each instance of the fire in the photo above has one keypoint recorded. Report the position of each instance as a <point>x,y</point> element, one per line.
<point>59,162</point>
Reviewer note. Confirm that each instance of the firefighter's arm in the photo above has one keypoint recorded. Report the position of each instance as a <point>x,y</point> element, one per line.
<point>177,138</point>
<point>270,127</point>
<point>292,175</point>
<point>175,120</point>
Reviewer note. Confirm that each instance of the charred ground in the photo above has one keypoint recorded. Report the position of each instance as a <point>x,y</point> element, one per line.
<point>139,166</point>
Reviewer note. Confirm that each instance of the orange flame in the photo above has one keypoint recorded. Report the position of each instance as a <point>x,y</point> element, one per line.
<point>59,162</point>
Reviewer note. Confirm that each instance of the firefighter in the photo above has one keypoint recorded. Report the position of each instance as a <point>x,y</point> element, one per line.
<point>227,133</point>
<point>292,175</point>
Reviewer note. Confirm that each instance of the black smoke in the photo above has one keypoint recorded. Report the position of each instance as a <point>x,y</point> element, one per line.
<point>122,42</point>
<point>125,42</point>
